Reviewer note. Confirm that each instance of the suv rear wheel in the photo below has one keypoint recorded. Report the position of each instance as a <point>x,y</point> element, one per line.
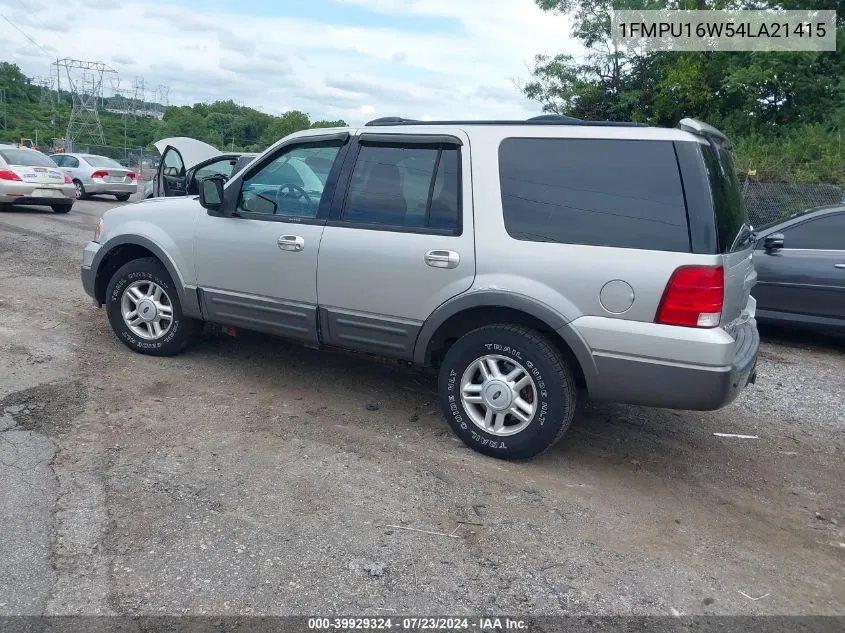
<point>144,310</point>
<point>506,391</point>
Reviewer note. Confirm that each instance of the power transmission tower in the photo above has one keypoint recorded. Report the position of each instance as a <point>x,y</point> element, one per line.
<point>47,85</point>
<point>158,102</point>
<point>140,96</point>
<point>85,82</point>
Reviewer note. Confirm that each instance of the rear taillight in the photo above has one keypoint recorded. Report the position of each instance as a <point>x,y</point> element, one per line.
<point>68,180</point>
<point>131,176</point>
<point>693,297</point>
<point>99,174</point>
<point>8,174</point>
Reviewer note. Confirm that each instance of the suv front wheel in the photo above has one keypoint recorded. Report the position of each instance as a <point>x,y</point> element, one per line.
<point>506,391</point>
<point>144,310</point>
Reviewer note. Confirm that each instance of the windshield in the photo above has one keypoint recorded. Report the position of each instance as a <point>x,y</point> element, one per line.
<point>102,161</point>
<point>729,206</point>
<point>26,157</point>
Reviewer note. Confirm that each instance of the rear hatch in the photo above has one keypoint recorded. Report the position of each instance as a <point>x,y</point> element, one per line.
<point>33,167</point>
<point>735,237</point>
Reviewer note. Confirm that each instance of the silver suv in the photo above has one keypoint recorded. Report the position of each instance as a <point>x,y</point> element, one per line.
<point>519,258</point>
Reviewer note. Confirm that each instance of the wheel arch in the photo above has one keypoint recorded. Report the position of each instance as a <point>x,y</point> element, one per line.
<point>459,316</point>
<point>125,248</point>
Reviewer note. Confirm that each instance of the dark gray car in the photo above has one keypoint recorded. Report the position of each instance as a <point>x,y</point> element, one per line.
<point>800,266</point>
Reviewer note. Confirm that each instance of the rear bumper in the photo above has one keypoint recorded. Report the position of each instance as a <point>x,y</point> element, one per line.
<point>678,384</point>
<point>24,193</point>
<point>46,202</point>
<point>99,186</point>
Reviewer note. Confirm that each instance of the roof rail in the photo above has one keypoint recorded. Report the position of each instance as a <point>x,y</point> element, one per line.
<point>700,128</point>
<point>551,118</point>
<point>391,120</point>
<point>543,119</point>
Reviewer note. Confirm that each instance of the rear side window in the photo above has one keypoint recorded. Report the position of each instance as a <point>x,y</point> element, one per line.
<point>598,192</point>
<point>409,187</point>
<point>728,203</point>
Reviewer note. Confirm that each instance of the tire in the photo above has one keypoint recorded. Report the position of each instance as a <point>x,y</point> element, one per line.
<point>551,389</point>
<point>122,197</point>
<point>80,190</point>
<point>140,274</point>
<point>61,208</point>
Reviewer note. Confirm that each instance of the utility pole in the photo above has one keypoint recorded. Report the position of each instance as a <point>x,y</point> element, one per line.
<point>3,109</point>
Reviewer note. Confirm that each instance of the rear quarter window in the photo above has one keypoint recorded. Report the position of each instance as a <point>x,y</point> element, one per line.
<point>598,192</point>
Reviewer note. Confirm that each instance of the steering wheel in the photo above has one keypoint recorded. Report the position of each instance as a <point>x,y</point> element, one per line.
<point>288,192</point>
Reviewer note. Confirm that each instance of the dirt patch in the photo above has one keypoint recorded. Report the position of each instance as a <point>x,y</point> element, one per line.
<point>49,408</point>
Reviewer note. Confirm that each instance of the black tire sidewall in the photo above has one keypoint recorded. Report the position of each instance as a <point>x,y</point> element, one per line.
<point>122,197</point>
<point>555,392</point>
<point>182,329</point>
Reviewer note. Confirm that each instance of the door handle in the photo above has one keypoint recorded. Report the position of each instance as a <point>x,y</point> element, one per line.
<point>442,259</point>
<point>839,265</point>
<point>291,243</point>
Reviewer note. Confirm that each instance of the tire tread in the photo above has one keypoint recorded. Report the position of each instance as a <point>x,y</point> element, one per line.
<point>563,373</point>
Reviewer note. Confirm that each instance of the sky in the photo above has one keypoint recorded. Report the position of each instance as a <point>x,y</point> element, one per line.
<point>333,59</point>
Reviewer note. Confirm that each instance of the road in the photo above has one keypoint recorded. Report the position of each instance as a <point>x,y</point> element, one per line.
<point>252,476</point>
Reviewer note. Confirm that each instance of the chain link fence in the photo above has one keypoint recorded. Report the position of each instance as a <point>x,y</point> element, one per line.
<point>770,202</point>
<point>141,160</point>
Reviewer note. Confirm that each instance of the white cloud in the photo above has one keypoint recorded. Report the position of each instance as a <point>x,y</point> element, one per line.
<point>327,69</point>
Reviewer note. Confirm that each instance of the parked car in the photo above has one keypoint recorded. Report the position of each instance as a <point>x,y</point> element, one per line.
<point>518,258</point>
<point>92,174</point>
<point>186,161</point>
<point>800,264</point>
<point>28,177</point>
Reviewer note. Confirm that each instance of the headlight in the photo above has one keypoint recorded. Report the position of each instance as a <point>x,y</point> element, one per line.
<point>98,231</point>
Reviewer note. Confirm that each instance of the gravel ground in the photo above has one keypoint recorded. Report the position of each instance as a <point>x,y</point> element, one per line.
<point>251,476</point>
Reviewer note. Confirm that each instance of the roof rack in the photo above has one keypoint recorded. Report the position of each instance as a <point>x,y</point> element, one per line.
<point>543,119</point>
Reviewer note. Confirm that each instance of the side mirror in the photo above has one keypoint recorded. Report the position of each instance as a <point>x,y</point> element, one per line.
<point>211,193</point>
<point>773,243</point>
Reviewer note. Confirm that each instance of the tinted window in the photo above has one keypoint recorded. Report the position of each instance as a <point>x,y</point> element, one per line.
<point>599,192</point>
<point>59,160</point>
<point>27,157</point>
<point>71,161</point>
<point>102,161</point>
<point>291,184</point>
<point>827,233</point>
<point>415,186</point>
<point>728,203</point>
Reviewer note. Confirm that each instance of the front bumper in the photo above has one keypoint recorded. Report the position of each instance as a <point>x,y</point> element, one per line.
<point>89,273</point>
<point>672,384</point>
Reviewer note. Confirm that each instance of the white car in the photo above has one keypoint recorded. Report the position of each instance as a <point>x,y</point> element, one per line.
<point>28,177</point>
<point>92,174</point>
